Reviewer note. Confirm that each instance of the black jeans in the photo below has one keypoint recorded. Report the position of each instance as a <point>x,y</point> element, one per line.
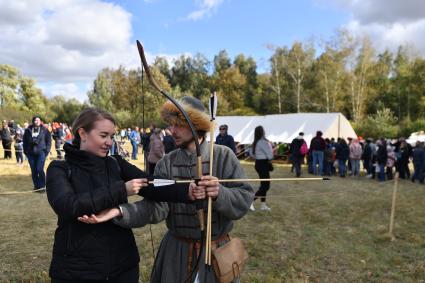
<point>129,276</point>
<point>262,168</point>
<point>7,146</point>
<point>296,161</point>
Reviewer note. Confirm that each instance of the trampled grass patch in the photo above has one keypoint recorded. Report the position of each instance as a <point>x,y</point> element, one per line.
<point>317,231</point>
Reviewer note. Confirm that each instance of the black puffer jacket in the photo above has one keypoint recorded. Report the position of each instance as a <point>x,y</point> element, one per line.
<point>87,184</point>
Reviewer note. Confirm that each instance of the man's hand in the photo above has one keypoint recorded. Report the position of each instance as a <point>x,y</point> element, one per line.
<point>211,185</point>
<point>101,217</point>
<point>133,186</point>
<point>196,192</point>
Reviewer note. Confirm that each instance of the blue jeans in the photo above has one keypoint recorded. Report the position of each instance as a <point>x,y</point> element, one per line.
<point>381,176</point>
<point>134,153</point>
<point>342,167</point>
<point>355,166</point>
<point>37,169</point>
<point>318,158</point>
<point>112,150</point>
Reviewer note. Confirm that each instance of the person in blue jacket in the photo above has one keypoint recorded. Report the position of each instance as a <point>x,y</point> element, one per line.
<point>37,143</point>
<point>223,138</point>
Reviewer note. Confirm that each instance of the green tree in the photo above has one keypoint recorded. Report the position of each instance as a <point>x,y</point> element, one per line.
<point>101,94</point>
<point>230,85</point>
<point>402,72</point>
<point>265,100</point>
<point>417,90</point>
<point>33,99</point>
<point>162,64</point>
<point>248,68</point>
<point>279,80</point>
<point>380,84</point>
<point>9,80</point>
<point>359,73</point>
<point>65,110</point>
<point>221,62</point>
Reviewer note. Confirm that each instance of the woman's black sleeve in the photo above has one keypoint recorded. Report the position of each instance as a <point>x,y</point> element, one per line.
<point>128,170</point>
<point>170,193</point>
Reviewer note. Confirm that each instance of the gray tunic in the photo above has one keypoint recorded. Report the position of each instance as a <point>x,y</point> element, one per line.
<point>231,204</point>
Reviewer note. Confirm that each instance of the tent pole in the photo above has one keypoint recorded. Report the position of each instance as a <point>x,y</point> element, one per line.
<point>339,125</point>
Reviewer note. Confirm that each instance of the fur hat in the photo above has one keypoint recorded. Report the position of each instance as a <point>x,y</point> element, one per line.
<point>194,108</point>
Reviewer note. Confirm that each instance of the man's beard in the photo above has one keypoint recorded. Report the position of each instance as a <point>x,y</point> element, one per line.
<point>185,144</point>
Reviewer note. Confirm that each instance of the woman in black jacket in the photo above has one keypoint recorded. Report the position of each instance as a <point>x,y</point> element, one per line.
<point>86,183</point>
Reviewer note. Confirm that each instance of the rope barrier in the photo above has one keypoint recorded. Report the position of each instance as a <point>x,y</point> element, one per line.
<point>21,193</point>
<point>259,197</point>
<point>23,151</point>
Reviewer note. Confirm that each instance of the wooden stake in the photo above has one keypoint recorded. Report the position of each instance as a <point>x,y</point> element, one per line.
<point>393,207</point>
<point>209,214</point>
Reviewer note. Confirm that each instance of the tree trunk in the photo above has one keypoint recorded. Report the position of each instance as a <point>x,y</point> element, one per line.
<point>335,92</point>
<point>353,103</point>
<point>326,92</point>
<point>277,86</point>
<point>298,89</point>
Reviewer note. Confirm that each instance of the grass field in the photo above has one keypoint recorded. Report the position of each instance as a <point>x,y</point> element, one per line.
<point>333,231</point>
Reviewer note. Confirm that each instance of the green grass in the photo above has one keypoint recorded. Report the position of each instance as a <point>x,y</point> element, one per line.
<point>332,231</point>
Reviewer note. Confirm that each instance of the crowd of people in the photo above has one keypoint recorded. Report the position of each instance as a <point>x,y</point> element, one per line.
<point>379,158</point>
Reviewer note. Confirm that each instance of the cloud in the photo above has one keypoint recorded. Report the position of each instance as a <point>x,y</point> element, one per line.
<point>385,11</point>
<point>206,9</point>
<point>389,23</point>
<point>65,40</point>
<point>68,90</point>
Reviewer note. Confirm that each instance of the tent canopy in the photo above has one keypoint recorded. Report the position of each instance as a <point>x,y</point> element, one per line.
<point>414,137</point>
<point>285,127</point>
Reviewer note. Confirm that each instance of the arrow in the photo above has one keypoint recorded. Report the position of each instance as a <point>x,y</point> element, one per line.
<point>166,182</point>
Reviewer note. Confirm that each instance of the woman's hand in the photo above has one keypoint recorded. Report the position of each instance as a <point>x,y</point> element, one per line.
<point>133,186</point>
<point>103,216</point>
<point>196,192</point>
<point>212,186</point>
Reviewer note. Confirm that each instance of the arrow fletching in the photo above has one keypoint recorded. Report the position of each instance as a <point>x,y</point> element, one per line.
<point>213,105</point>
<point>162,182</point>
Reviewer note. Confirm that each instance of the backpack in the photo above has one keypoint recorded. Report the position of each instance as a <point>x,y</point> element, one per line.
<point>304,149</point>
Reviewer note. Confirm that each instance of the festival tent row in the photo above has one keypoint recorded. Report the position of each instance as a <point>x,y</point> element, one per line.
<point>283,128</point>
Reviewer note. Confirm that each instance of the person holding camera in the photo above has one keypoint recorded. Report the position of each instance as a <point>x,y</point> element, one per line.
<point>37,142</point>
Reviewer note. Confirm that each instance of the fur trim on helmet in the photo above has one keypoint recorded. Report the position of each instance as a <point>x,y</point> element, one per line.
<point>172,116</point>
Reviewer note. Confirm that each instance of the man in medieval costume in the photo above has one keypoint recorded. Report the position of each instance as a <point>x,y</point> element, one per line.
<point>178,254</point>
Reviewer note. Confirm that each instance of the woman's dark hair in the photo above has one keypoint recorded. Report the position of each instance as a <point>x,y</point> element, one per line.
<point>86,120</point>
<point>258,134</point>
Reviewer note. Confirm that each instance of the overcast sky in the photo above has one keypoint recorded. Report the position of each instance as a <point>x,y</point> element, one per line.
<point>64,43</point>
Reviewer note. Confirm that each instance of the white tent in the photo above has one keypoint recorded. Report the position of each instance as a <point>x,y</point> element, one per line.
<point>285,127</point>
<point>414,137</point>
